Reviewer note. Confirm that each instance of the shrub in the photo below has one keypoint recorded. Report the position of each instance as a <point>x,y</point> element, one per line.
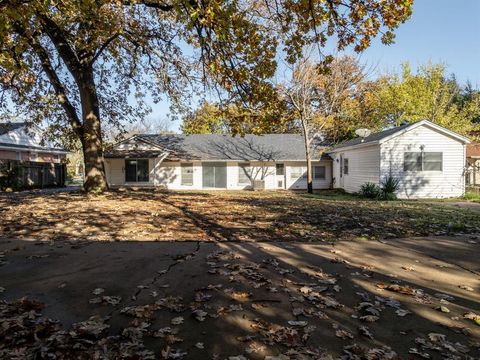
<point>370,190</point>
<point>8,177</point>
<point>388,187</point>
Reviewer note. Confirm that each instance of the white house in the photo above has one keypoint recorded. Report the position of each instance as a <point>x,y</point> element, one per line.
<point>213,161</point>
<point>427,159</point>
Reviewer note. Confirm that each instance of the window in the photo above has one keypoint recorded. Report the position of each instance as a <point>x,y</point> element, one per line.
<point>280,169</point>
<point>345,166</point>
<point>422,161</point>
<point>297,172</point>
<point>56,158</point>
<point>18,156</point>
<point>33,156</point>
<point>319,172</point>
<point>136,170</point>
<point>187,174</point>
<point>244,174</point>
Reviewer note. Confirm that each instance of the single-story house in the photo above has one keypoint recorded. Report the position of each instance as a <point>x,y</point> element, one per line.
<point>428,160</point>
<point>22,144</point>
<point>211,161</point>
<point>473,164</point>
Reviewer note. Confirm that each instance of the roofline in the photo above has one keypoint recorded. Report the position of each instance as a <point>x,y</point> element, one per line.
<point>138,137</point>
<point>32,148</point>
<point>216,160</point>
<point>442,129</point>
<point>453,134</point>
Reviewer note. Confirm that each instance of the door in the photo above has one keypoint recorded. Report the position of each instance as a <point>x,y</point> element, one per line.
<point>340,181</point>
<point>214,175</point>
<point>280,176</point>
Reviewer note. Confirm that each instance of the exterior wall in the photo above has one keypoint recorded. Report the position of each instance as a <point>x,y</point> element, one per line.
<point>363,167</point>
<point>168,174</point>
<point>27,156</point>
<point>22,137</point>
<point>425,184</point>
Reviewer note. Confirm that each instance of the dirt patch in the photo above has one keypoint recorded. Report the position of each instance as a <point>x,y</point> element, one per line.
<point>219,216</point>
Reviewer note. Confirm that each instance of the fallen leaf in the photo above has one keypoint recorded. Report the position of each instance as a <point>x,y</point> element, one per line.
<point>177,320</point>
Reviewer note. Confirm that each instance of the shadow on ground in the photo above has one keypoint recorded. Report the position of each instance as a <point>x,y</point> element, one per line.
<point>213,300</point>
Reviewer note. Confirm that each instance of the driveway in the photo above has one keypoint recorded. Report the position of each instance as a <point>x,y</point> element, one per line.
<point>241,300</point>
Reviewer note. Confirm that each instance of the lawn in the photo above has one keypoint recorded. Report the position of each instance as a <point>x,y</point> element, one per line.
<point>233,216</point>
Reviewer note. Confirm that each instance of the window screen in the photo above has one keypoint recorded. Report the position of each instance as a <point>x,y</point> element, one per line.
<point>319,172</point>
<point>423,161</point>
<point>187,174</point>
<point>244,174</point>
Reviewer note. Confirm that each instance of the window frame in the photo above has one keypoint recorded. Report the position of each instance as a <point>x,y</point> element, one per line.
<point>421,161</point>
<point>303,170</point>
<point>186,166</point>
<point>33,156</point>
<point>242,172</point>
<point>136,171</point>
<point>315,172</point>
<point>346,166</point>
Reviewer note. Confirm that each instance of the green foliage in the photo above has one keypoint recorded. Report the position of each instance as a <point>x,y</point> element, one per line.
<point>428,94</point>
<point>389,186</point>
<point>370,190</point>
<point>9,176</point>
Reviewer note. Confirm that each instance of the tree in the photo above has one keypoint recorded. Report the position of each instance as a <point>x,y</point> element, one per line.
<point>80,63</point>
<point>427,94</point>
<point>237,119</point>
<point>326,104</point>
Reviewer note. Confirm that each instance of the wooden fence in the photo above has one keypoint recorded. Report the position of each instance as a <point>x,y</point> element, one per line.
<point>29,174</point>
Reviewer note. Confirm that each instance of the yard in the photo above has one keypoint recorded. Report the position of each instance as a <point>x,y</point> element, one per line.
<point>149,215</point>
<point>272,276</point>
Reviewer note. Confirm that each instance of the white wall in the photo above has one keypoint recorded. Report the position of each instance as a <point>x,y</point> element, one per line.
<point>168,174</point>
<point>363,164</point>
<point>22,137</point>
<point>425,184</point>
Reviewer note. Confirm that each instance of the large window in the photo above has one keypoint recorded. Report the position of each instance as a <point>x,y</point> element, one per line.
<point>244,174</point>
<point>280,169</point>
<point>319,172</point>
<point>187,174</point>
<point>423,161</point>
<point>136,170</point>
<point>297,172</point>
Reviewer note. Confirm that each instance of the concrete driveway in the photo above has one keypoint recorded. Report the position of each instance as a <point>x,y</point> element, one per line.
<point>416,298</point>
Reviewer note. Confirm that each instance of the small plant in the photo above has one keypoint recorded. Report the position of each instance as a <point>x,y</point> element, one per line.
<point>370,190</point>
<point>388,187</point>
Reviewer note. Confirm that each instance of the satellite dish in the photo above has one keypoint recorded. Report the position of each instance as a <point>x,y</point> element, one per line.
<point>363,133</point>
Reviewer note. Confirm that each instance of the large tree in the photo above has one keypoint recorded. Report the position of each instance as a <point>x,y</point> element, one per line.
<point>81,64</point>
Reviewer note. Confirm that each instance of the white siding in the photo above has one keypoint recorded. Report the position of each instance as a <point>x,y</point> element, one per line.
<point>425,184</point>
<point>363,164</point>
<point>168,174</point>
<point>21,137</point>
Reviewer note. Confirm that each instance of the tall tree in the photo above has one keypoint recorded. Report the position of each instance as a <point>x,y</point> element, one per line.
<point>428,93</point>
<point>80,63</point>
<point>326,103</point>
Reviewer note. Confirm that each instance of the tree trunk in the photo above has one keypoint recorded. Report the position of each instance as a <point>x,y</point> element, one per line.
<point>308,157</point>
<point>91,137</point>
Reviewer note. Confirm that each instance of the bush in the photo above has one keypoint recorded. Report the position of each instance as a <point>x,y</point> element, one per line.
<point>370,190</point>
<point>388,187</point>
<point>8,177</point>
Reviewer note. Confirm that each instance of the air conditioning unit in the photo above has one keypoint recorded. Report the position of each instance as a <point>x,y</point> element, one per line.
<point>259,185</point>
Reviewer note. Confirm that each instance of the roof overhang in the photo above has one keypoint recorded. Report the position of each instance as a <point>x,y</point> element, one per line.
<point>15,147</point>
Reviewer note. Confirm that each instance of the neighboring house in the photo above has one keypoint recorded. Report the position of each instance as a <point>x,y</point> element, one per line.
<point>216,162</point>
<point>427,159</point>
<point>19,143</point>
<point>473,164</point>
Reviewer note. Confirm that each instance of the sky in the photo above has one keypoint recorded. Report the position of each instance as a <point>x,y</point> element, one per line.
<point>440,31</point>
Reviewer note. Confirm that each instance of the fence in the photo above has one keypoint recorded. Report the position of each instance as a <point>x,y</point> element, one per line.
<point>28,174</point>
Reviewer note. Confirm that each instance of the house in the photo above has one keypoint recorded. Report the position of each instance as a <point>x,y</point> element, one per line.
<point>25,162</point>
<point>22,144</point>
<point>473,164</point>
<point>211,161</point>
<point>427,159</point>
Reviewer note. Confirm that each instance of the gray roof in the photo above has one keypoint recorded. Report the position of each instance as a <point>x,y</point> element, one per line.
<point>10,126</point>
<point>371,138</point>
<point>269,147</point>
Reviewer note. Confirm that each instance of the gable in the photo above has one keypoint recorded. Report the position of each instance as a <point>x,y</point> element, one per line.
<point>19,135</point>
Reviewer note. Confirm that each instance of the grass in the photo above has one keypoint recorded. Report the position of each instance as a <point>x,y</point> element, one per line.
<point>472,196</point>
<point>222,215</point>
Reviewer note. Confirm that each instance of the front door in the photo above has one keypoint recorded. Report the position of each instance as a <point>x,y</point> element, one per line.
<point>280,176</point>
<point>214,175</point>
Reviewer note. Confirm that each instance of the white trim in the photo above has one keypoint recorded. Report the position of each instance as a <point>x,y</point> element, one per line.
<point>428,124</point>
<point>23,149</point>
